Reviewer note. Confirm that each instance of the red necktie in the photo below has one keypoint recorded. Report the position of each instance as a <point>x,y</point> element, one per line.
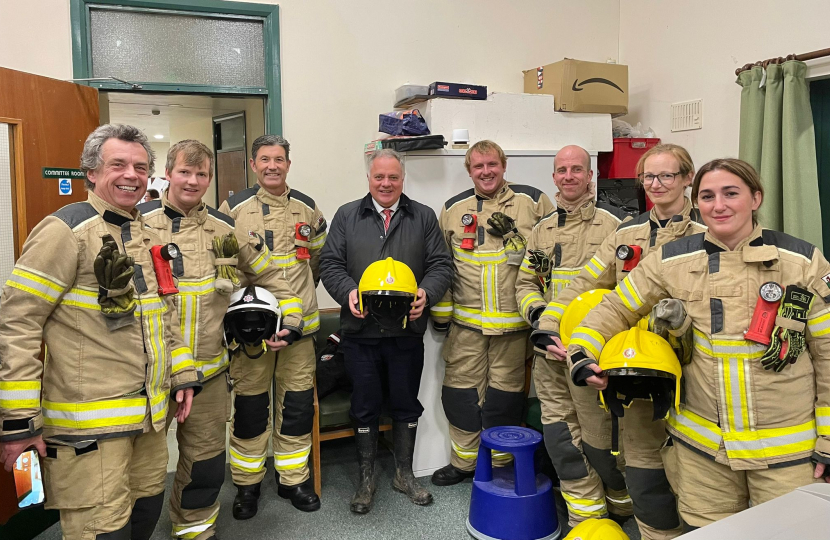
<point>387,217</point>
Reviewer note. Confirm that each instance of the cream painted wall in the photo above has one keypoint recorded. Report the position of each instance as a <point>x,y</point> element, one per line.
<point>689,49</point>
<point>341,62</point>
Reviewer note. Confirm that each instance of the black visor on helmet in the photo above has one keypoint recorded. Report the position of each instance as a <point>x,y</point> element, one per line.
<point>389,310</point>
<point>250,327</point>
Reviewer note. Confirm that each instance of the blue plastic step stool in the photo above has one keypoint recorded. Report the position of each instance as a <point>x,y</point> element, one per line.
<point>512,504</point>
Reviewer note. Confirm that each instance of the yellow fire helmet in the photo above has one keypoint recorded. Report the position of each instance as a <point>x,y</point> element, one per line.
<point>640,365</point>
<point>597,529</point>
<point>387,288</point>
<point>577,310</point>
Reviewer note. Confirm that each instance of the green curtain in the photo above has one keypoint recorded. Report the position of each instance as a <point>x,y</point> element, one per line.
<point>778,139</point>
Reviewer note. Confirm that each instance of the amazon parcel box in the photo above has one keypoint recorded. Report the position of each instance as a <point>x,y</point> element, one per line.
<point>578,86</point>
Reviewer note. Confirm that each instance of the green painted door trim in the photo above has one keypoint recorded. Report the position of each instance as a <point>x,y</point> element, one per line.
<point>820,102</point>
<point>81,63</point>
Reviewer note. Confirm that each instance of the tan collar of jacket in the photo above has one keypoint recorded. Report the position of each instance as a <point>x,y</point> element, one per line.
<point>757,252</point>
<point>101,206</point>
<point>199,213</point>
<point>504,194</point>
<point>273,200</point>
<point>678,223</point>
<point>586,201</point>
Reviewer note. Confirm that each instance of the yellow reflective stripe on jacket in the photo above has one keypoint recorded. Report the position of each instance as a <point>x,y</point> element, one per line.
<point>182,359</point>
<point>197,287</point>
<point>483,257</point>
<point>530,299</point>
<point>441,309</point>
<point>158,406</point>
<point>151,306</point>
<point>291,305</point>
<point>311,323</point>
<point>82,298</point>
<point>262,260</point>
<point>561,278</point>
<point>188,318</point>
<point>629,294</point>
<point>19,394</point>
<point>555,310</point>
<point>585,507</point>
<point>589,339</point>
<point>490,288</point>
<point>507,320</point>
<point>595,267</point>
<point>464,453</point>
<point>37,283</point>
<point>771,442</point>
<point>158,351</point>
<point>194,529</point>
<point>291,460</point>
<point>734,357</point>
<point>318,241</point>
<point>822,420</point>
<point>819,325</point>
<point>245,462</point>
<point>87,298</point>
<point>208,367</point>
<point>727,348</point>
<point>696,428</point>
<point>284,261</point>
<point>96,414</point>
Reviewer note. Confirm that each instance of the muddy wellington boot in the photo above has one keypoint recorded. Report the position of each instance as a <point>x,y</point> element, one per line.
<point>367,450</point>
<point>403,437</point>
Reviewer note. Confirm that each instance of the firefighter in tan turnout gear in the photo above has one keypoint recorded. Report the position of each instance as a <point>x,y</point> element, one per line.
<point>755,418</point>
<point>294,230</point>
<point>95,409</point>
<point>666,171</point>
<point>211,252</point>
<point>486,229</point>
<point>577,432</point>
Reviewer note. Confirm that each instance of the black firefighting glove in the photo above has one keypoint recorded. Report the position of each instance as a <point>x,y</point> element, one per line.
<point>226,249</point>
<point>504,226</point>
<point>669,320</point>
<point>113,271</point>
<point>788,339</point>
<point>541,264</point>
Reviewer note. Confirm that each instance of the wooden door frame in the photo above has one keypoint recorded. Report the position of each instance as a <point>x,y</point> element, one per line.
<point>18,183</point>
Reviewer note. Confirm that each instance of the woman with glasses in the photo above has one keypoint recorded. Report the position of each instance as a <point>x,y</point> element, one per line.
<point>755,418</point>
<point>665,171</point>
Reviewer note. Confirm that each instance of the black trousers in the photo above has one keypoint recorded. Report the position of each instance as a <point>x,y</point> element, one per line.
<point>381,367</point>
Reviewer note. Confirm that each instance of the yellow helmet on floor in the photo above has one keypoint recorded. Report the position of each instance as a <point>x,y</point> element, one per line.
<point>597,529</point>
<point>577,310</point>
<point>640,364</point>
<point>387,288</point>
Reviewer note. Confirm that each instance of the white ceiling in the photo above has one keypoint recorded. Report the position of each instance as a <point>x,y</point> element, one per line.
<point>137,110</point>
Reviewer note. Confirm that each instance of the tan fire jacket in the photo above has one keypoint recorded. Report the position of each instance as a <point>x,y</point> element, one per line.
<point>201,308</point>
<point>275,219</point>
<point>483,293</point>
<point>570,240</point>
<point>95,382</point>
<point>604,270</point>
<point>734,411</point>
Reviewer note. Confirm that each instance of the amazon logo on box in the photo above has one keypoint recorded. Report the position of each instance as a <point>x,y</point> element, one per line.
<point>579,86</point>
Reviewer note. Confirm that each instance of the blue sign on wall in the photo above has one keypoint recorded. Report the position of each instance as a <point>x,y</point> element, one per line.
<point>65,186</point>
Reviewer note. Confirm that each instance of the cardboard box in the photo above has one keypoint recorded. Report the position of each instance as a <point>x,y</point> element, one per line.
<point>458,91</point>
<point>579,86</point>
